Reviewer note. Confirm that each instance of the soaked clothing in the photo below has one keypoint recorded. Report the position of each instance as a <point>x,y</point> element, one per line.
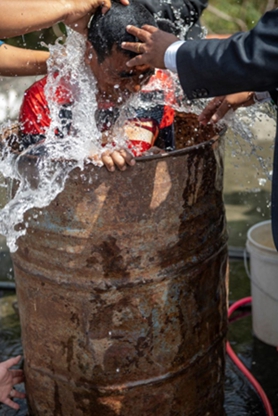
<point>155,122</point>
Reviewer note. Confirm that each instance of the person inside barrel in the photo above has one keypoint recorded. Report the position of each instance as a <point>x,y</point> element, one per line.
<point>108,64</point>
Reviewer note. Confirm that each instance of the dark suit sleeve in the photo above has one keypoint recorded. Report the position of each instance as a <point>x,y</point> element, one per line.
<point>274,96</point>
<point>189,10</point>
<point>246,61</point>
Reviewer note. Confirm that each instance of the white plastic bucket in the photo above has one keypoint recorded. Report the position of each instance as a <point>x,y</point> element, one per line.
<point>264,282</point>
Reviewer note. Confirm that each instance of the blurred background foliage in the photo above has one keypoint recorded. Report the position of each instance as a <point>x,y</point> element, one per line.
<point>40,39</point>
<point>230,16</point>
<point>221,17</point>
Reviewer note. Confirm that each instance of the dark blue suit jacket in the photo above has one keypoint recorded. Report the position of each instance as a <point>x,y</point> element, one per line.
<point>246,61</point>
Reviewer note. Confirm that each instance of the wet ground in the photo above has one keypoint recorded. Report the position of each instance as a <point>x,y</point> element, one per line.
<point>247,194</point>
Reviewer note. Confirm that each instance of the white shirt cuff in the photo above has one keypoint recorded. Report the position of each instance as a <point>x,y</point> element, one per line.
<point>170,55</point>
<point>261,97</point>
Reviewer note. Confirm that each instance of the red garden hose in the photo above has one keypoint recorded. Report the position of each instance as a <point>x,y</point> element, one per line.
<point>241,366</point>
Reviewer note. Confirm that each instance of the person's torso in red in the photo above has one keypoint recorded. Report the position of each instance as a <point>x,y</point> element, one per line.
<point>35,116</point>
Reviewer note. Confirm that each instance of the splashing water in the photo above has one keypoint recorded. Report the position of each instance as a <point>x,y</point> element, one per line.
<point>243,124</point>
<point>36,181</point>
<point>40,180</point>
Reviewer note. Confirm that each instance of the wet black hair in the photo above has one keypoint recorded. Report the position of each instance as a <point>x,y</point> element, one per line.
<point>107,30</point>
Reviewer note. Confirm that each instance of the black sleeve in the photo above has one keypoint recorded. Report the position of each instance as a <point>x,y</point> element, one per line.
<point>246,61</point>
<point>165,11</point>
<point>274,96</point>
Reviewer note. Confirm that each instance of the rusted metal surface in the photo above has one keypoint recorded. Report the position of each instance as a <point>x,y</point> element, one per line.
<point>121,291</point>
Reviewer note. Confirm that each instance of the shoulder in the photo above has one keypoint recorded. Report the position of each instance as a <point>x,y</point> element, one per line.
<point>34,111</point>
<point>36,90</point>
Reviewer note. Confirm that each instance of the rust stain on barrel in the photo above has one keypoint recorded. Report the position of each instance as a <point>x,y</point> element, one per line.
<point>121,288</point>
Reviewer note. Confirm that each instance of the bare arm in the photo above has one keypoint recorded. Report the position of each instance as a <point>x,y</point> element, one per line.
<point>20,62</point>
<point>18,17</point>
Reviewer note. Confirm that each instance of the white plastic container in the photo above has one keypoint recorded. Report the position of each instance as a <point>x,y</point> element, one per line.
<point>264,282</point>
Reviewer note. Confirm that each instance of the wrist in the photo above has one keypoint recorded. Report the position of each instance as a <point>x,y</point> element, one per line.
<point>171,54</point>
<point>67,9</point>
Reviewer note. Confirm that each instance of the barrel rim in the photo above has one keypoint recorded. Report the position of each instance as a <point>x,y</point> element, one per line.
<point>173,153</point>
<point>181,152</point>
<point>219,133</point>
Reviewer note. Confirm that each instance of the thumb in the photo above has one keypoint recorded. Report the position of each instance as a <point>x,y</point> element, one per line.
<point>11,362</point>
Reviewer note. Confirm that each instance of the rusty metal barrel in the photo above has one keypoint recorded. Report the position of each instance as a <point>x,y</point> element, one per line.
<point>121,288</point>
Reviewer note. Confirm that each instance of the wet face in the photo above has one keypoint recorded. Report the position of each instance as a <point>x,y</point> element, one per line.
<point>115,81</point>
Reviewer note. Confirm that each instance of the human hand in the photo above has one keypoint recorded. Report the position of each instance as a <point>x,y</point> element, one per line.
<point>8,378</point>
<point>81,11</point>
<point>120,158</point>
<point>152,48</point>
<point>218,107</point>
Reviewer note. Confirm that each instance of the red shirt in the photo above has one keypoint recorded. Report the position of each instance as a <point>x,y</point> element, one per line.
<point>35,116</point>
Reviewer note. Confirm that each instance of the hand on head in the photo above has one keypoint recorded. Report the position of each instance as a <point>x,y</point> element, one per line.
<point>218,107</point>
<point>8,378</point>
<point>152,48</point>
<point>82,11</point>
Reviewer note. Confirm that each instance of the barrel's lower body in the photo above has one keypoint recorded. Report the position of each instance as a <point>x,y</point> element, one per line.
<point>121,288</point>
<point>124,333</point>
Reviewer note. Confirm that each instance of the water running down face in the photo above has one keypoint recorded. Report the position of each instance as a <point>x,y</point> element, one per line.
<point>115,81</point>
<point>107,60</point>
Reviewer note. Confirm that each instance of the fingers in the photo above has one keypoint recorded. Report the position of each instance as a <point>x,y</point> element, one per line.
<point>127,156</point>
<point>142,34</point>
<point>12,404</point>
<point>152,46</point>
<point>210,110</point>
<point>119,158</point>
<point>16,394</point>
<point>16,373</point>
<point>108,161</point>
<point>136,61</point>
<point>19,395</point>
<point>11,362</point>
<point>106,4</point>
<point>136,47</point>
<point>17,380</point>
<point>150,29</point>
<point>220,106</point>
<point>221,112</point>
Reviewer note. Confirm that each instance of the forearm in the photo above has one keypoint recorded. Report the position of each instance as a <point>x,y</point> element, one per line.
<point>20,62</point>
<point>18,17</point>
<point>23,16</point>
